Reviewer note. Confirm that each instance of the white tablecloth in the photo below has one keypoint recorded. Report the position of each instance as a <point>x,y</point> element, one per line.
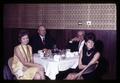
<point>52,67</point>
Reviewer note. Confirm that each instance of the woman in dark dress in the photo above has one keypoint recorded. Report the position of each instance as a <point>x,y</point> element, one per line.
<point>88,57</point>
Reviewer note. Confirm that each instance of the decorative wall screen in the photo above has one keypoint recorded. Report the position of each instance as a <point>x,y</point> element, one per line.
<point>61,16</point>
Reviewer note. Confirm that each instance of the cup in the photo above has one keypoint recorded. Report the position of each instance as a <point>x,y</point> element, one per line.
<point>67,50</point>
<point>76,53</point>
<point>19,73</point>
<point>40,53</point>
<point>57,57</point>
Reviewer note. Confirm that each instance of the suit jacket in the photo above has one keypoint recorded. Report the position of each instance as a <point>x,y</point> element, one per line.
<point>37,44</point>
<point>73,46</point>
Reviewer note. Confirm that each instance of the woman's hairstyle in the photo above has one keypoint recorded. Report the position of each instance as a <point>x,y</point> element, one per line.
<point>22,33</point>
<point>90,36</point>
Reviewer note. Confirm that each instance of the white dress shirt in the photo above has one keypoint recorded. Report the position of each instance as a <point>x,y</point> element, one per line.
<point>80,46</point>
<point>42,37</point>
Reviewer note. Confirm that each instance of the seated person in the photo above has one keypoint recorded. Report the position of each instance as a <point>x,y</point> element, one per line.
<point>23,64</point>
<point>41,41</point>
<point>88,56</point>
<point>77,43</point>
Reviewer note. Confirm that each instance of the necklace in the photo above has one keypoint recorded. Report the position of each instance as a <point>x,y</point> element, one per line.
<point>88,54</point>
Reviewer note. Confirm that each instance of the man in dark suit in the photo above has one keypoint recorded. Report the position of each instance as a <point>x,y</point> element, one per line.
<point>76,43</point>
<point>41,41</point>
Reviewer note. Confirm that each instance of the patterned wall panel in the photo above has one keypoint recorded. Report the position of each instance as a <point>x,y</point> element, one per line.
<point>54,16</point>
<point>11,15</point>
<point>102,16</point>
<point>61,16</point>
<point>29,15</point>
<point>73,14</point>
<point>23,15</point>
<point>32,15</point>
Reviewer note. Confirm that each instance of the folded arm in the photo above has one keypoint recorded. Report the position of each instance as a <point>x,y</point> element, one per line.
<point>22,60</point>
<point>93,61</point>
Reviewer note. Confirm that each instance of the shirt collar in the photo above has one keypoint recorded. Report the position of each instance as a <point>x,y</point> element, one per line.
<point>42,37</point>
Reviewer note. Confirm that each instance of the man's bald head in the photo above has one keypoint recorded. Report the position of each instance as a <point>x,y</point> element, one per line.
<point>80,35</point>
<point>41,30</point>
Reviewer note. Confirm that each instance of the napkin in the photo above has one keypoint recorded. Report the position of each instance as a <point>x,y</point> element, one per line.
<point>57,57</point>
<point>69,54</point>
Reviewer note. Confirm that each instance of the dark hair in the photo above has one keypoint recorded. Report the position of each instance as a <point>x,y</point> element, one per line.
<point>22,33</point>
<point>90,36</point>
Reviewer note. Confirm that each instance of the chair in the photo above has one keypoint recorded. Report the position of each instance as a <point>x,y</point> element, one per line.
<point>10,64</point>
<point>7,75</point>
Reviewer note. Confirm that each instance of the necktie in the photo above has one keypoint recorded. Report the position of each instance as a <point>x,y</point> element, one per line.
<point>43,40</point>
